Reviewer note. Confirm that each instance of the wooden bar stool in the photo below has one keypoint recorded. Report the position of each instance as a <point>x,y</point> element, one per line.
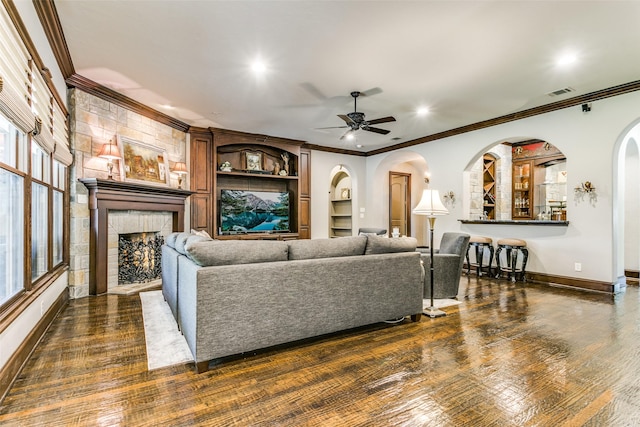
<point>480,243</point>
<point>513,248</point>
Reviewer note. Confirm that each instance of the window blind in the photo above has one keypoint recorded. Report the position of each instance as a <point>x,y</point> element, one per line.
<point>14,76</point>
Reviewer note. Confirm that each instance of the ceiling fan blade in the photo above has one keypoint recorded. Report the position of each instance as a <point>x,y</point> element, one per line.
<point>334,127</point>
<point>382,120</point>
<point>372,91</point>
<point>344,135</point>
<point>314,91</point>
<point>346,118</point>
<point>376,130</point>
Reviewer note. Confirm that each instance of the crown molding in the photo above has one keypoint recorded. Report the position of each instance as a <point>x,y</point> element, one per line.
<point>48,14</point>
<point>334,150</point>
<point>89,86</point>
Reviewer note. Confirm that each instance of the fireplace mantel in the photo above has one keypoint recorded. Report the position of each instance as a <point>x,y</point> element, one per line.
<point>106,195</point>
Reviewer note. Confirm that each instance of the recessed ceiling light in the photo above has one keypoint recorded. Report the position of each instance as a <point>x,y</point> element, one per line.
<point>168,106</point>
<point>350,137</point>
<point>422,111</point>
<point>358,145</point>
<point>566,59</point>
<point>258,67</point>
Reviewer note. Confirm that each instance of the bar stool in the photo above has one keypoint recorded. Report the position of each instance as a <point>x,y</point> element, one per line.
<point>480,243</point>
<point>513,247</point>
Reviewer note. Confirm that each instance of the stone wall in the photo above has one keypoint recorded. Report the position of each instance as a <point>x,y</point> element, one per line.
<point>502,153</point>
<point>95,122</point>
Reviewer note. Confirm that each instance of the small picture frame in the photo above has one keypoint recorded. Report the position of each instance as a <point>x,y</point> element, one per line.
<point>345,193</point>
<point>142,162</point>
<point>253,160</point>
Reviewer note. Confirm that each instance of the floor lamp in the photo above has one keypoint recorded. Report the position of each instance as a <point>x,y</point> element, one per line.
<point>431,206</point>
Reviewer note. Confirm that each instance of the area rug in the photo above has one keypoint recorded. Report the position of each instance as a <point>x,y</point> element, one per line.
<point>166,346</point>
<point>440,303</point>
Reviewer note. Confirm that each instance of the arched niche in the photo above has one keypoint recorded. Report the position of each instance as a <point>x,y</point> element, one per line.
<point>516,179</point>
<point>340,203</point>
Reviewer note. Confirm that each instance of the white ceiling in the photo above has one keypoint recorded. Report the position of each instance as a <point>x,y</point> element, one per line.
<point>467,61</point>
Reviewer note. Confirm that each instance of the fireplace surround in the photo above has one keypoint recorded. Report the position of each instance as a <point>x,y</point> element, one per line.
<point>109,195</point>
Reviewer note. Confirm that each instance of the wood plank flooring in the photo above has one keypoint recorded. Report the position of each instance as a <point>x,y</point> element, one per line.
<point>510,355</point>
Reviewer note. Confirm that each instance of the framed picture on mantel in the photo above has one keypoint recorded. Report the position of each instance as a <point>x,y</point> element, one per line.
<point>142,162</point>
<point>253,160</point>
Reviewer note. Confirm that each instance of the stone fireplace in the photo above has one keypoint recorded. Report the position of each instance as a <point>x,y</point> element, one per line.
<point>117,208</point>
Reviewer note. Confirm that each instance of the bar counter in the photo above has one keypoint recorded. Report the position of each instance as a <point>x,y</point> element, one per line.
<point>515,222</point>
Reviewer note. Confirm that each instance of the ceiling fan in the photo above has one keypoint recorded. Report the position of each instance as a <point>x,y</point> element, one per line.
<point>356,120</point>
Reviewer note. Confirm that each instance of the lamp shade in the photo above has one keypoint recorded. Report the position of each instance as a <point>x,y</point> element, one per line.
<point>180,168</point>
<point>109,151</point>
<point>430,204</point>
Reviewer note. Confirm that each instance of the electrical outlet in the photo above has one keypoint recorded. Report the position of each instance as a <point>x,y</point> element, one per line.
<point>577,266</point>
<point>41,308</point>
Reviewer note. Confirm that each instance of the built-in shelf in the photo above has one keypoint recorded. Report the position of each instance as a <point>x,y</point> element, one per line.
<point>256,175</point>
<point>489,186</point>
<point>340,207</point>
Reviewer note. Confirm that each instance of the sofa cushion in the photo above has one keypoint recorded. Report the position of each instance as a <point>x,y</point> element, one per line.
<point>385,245</point>
<point>230,252</point>
<point>326,248</point>
<point>170,240</point>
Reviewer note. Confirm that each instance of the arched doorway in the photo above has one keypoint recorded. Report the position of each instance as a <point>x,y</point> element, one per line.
<point>626,205</point>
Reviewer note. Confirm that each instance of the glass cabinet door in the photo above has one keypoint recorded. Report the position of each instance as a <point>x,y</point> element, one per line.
<point>522,201</point>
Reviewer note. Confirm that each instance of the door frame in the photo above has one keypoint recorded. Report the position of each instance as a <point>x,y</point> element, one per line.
<point>407,200</point>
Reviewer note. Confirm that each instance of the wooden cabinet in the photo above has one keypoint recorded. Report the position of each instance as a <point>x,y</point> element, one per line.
<point>201,180</point>
<point>489,186</point>
<point>237,161</point>
<point>304,225</point>
<point>522,190</point>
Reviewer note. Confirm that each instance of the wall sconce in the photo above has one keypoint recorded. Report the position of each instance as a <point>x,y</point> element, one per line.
<point>449,198</point>
<point>110,152</point>
<point>586,188</point>
<point>180,168</point>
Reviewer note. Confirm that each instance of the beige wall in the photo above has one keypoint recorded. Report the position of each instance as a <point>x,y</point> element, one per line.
<point>95,122</point>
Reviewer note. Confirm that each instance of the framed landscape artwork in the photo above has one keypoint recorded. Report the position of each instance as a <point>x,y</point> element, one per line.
<point>142,162</point>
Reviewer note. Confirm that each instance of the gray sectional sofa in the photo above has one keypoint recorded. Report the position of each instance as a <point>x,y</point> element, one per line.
<point>235,296</point>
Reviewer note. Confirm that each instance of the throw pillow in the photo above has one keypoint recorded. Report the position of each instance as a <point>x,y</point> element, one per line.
<point>202,233</point>
<point>170,240</point>
<point>181,239</point>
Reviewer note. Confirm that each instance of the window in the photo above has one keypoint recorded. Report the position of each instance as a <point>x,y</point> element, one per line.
<point>39,229</point>
<point>12,225</point>
<point>59,181</point>
<point>34,157</point>
<point>33,197</point>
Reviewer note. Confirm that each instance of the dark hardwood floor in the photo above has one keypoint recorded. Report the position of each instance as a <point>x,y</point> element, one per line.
<point>509,355</point>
